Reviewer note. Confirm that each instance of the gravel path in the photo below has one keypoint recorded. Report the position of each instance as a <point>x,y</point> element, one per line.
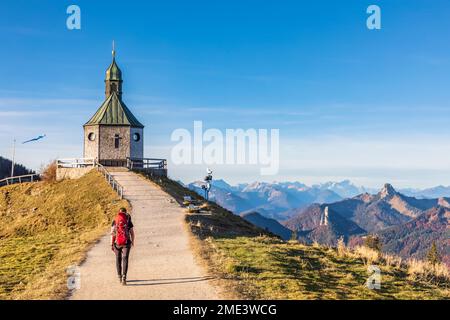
<point>161,266</point>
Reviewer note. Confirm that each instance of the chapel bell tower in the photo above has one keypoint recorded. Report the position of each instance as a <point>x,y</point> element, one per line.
<point>113,134</point>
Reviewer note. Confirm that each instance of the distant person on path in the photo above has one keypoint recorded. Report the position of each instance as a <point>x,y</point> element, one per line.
<point>122,239</point>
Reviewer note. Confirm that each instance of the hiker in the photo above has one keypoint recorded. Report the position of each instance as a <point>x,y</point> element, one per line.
<point>122,238</point>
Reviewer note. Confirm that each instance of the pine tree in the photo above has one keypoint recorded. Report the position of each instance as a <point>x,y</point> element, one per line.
<point>433,255</point>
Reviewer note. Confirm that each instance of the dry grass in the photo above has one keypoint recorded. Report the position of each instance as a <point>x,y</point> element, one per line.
<point>392,260</point>
<point>426,271</point>
<point>416,269</point>
<point>49,172</point>
<point>368,255</point>
<point>342,250</point>
<point>315,244</point>
<point>46,227</point>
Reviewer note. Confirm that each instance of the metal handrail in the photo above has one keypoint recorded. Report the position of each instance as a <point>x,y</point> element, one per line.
<point>76,163</point>
<point>110,179</point>
<point>19,179</point>
<point>146,163</point>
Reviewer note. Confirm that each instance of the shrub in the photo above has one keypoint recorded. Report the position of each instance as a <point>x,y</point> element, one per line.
<point>373,242</point>
<point>49,172</point>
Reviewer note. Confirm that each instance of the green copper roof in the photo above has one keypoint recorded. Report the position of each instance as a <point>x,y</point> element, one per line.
<point>113,72</point>
<point>114,112</point>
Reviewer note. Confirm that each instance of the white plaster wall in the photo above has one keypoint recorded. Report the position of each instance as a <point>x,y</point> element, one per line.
<point>91,148</point>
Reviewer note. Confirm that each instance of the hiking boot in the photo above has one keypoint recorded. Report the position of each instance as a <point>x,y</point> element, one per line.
<point>124,280</point>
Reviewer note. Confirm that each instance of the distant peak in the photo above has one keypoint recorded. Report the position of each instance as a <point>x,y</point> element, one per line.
<point>444,202</point>
<point>388,190</point>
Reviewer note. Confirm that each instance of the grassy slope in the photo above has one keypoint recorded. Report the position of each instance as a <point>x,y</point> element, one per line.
<point>254,265</point>
<point>265,268</point>
<point>47,227</point>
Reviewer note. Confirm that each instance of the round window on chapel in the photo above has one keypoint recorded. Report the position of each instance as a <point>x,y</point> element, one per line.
<point>91,136</point>
<point>136,137</point>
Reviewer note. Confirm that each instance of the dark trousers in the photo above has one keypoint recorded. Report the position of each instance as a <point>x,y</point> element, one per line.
<point>122,255</point>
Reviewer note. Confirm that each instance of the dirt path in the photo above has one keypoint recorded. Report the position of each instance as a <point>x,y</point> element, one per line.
<point>161,264</point>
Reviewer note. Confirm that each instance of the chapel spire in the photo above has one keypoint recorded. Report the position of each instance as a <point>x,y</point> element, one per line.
<point>113,79</point>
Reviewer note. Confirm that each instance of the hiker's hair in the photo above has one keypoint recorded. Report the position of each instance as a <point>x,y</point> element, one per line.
<point>124,210</point>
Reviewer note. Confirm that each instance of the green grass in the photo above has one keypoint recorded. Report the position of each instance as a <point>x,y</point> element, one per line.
<point>267,268</point>
<point>253,264</point>
<point>47,227</point>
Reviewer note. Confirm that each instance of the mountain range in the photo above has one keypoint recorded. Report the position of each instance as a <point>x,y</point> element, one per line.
<point>283,200</point>
<point>371,212</point>
<point>407,225</point>
<point>272,200</point>
<point>435,192</point>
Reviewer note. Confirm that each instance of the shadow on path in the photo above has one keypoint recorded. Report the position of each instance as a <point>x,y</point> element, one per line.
<point>154,282</point>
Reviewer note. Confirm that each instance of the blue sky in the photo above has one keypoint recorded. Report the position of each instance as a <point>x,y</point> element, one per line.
<point>370,106</point>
